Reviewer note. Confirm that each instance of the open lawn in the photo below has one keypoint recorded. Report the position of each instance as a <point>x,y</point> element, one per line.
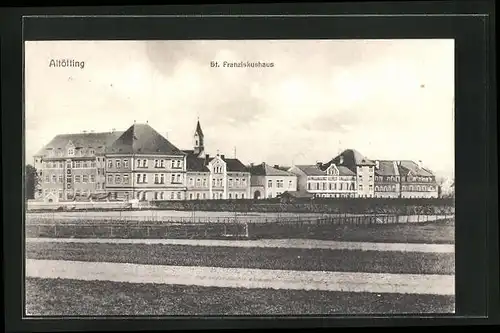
<point>441,232</point>
<point>260,258</point>
<point>57,297</point>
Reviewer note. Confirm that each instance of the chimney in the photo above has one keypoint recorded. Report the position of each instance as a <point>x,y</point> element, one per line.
<point>341,159</point>
<point>222,156</point>
<point>113,130</point>
<point>207,158</point>
<point>251,164</point>
<point>420,164</point>
<point>398,163</point>
<point>319,164</point>
<point>276,166</point>
<point>84,131</point>
<point>377,165</point>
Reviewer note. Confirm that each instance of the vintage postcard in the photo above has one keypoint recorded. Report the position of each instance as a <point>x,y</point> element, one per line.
<point>239,177</point>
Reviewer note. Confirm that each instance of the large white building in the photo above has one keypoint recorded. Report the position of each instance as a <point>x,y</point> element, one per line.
<point>350,174</point>
<point>270,182</point>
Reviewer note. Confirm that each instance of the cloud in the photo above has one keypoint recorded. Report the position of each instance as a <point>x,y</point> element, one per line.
<point>320,95</point>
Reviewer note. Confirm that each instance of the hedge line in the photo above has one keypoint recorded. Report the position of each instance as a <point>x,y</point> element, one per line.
<point>320,205</point>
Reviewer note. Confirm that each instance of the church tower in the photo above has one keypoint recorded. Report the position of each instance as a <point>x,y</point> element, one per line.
<point>199,140</point>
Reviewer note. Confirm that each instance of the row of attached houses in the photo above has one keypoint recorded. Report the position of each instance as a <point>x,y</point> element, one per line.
<point>140,163</point>
<point>350,174</point>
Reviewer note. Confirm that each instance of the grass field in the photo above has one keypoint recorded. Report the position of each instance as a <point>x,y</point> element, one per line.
<point>56,297</point>
<point>260,258</point>
<point>441,232</point>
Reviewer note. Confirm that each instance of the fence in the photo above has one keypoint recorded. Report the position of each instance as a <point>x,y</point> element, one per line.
<point>226,227</point>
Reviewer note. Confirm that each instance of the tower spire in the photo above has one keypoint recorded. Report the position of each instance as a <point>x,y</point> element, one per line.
<point>199,140</point>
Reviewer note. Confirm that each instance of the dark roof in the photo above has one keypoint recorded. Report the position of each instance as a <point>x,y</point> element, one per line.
<point>311,170</point>
<point>235,165</point>
<point>406,166</point>
<point>198,129</point>
<point>81,140</point>
<point>350,159</point>
<point>264,169</point>
<point>387,168</point>
<point>315,170</point>
<point>143,139</point>
<point>195,163</point>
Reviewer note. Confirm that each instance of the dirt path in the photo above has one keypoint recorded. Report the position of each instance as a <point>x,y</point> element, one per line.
<point>243,278</point>
<point>266,243</point>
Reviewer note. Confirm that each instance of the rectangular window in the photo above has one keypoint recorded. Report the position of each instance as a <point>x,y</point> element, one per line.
<point>172,180</point>
<point>125,179</point>
<point>279,183</point>
<point>61,178</point>
<point>144,178</point>
<point>269,183</point>
<point>145,163</point>
<point>157,179</point>
<point>125,164</point>
<point>85,179</point>
<point>204,183</point>
<point>230,182</point>
<point>138,178</point>
<point>162,165</point>
<point>162,178</point>
<point>198,182</point>
<point>92,178</point>
<point>172,166</point>
<point>178,179</point>
<point>110,164</point>
<point>118,164</point>
<point>110,179</point>
<point>157,164</point>
<point>118,179</point>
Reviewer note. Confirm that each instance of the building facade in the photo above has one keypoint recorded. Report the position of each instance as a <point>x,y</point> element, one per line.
<point>358,176</point>
<point>271,182</point>
<point>387,179</point>
<point>326,181</point>
<point>215,177</point>
<point>417,181</point>
<point>142,164</point>
<point>71,165</point>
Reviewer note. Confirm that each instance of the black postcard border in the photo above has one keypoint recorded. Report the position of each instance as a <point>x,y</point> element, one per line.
<point>469,23</point>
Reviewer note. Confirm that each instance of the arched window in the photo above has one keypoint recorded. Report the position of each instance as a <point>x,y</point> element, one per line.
<point>376,188</point>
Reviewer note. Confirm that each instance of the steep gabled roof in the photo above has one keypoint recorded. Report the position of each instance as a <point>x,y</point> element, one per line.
<point>311,170</point>
<point>406,166</point>
<point>195,163</point>
<point>387,168</point>
<point>350,158</point>
<point>143,139</point>
<point>235,165</point>
<point>80,140</point>
<point>264,169</point>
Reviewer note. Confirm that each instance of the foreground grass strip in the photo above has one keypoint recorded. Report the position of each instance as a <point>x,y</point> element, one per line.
<point>243,277</point>
<point>240,257</point>
<point>265,243</point>
<point>58,297</point>
<point>431,232</point>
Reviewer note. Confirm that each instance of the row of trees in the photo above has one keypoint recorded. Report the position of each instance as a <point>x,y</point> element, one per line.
<point>31,182</point>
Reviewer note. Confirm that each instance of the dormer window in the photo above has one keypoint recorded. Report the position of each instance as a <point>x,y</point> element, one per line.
<point>71,152</point>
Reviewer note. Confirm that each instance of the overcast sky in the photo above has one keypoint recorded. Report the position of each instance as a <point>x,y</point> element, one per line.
<point>389,99</point>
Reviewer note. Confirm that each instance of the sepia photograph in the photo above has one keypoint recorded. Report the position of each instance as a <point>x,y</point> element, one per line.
<point>239,177</point>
